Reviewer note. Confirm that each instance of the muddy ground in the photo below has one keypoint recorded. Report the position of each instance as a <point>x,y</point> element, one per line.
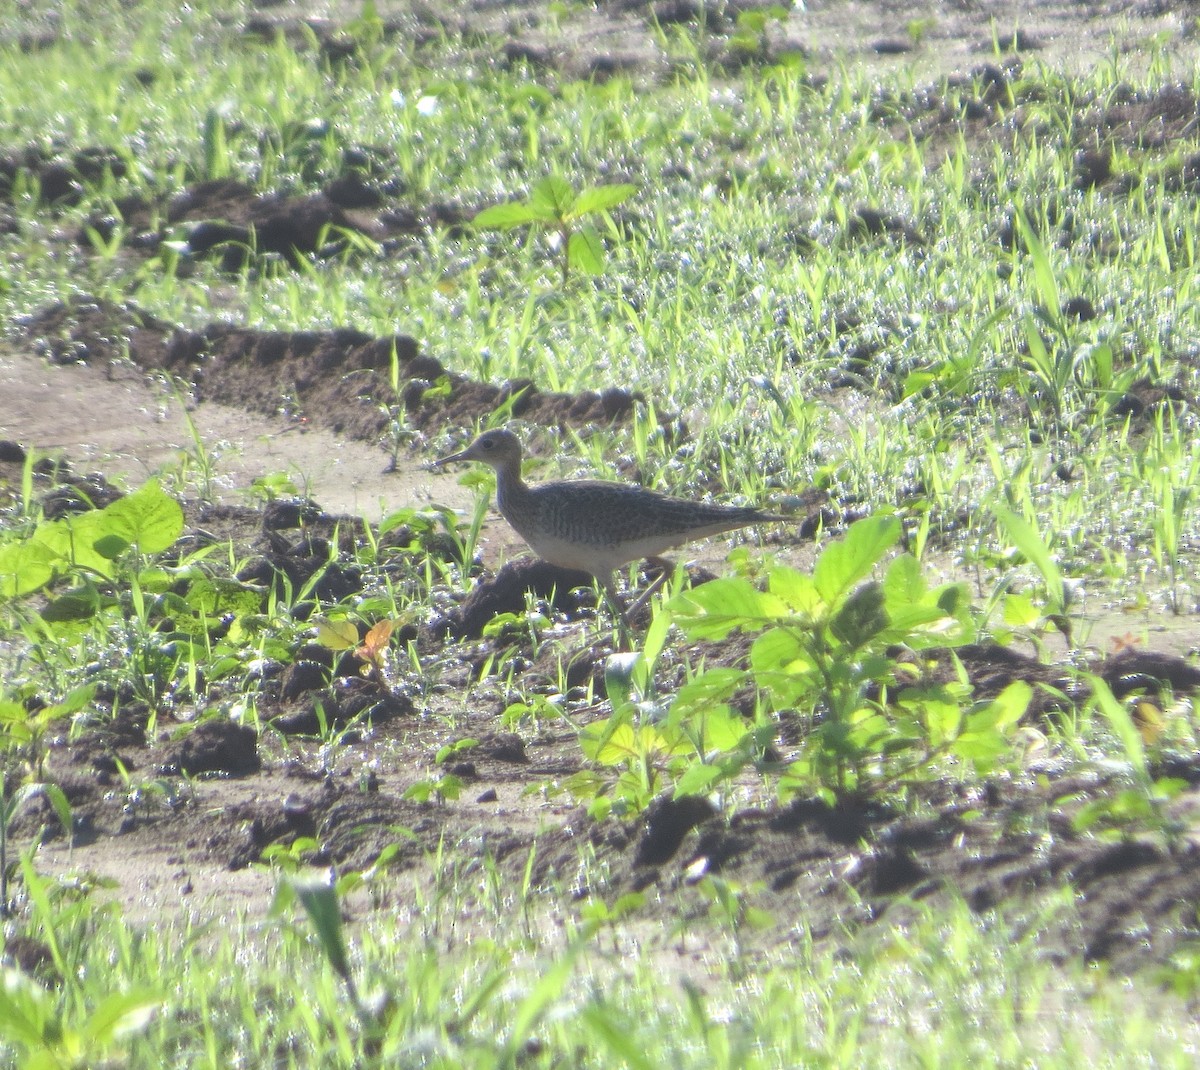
<point>180,814</point>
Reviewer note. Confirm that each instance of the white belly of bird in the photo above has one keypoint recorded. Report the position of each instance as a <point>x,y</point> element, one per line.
<point>598,560</point>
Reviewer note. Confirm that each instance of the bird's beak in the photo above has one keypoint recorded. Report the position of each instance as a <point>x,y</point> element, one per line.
<point>460,456</point>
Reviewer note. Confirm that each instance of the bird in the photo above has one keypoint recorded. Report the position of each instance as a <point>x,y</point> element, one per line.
<point>597,526</point>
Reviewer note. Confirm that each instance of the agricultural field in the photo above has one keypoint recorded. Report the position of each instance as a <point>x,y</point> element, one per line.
<point>308,762</point>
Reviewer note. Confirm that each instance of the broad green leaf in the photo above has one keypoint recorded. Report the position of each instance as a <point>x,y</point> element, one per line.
<point>1008,707</point>
<point>595,737</point>
<point>553,197</point>
<point>504,216</point>
<point>710,688</point>
<point>903,584</point>
<point>861,617</point>
<point>585,251</point>
<point>337,634</point>
<point>1020,612</point>
<point>796,591</point>
<point>718,728</point>
<point>73,540</point>
<point>940,712</point>
<point>149,517</point>
<point>26,566</point>
<point>916,381</point>
<point>924,626</point>
<point>784,667</point>
<point>981,749</point>
<point>713,610</point>
<point>601,198</point>
<point>76,699</point>
<point>623,745</point>
<point>985,731</point>
<point>12,712</point>
<point>698,779</point>
<point>586,784</point>
<point>954,599</point>
<point>843,563</point>
<point>781,650</point>
<point>421,791</point>
<point>110,547</point>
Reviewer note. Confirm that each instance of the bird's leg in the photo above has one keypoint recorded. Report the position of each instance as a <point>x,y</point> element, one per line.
<point>620,617</point>
<point>624,617</point>
<point>667,570</point>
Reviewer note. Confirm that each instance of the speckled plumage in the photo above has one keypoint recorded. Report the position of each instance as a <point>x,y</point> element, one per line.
<point>594,525</point>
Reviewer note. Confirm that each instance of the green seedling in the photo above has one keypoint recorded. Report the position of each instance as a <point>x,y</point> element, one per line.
<point>751,35</point>
<point>24,735</point>
<point>290,858</point>
<point>535,710</point>
<point>10,805</point>
<point>1029,542</point>
<point>553,205</point>
<point>1143,806</point>
<point>453,750</point>
<point>441,789</point>
<point>393,408</point>
<point>372,651</point>
<point>731,906</point>
<point>273,486</point>
<point>827,648</point>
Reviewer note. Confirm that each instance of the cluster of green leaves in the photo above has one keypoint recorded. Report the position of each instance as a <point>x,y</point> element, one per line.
<point>89,544</point>
<point>105,584</point>
<point>691,743</point>
<point>837,648</point>
<point>554,205</point>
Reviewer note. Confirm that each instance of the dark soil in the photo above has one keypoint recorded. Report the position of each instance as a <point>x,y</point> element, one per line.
<point>338,379</point>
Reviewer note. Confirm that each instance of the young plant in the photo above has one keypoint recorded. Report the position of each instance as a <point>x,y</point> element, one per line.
<point>445,786</point>
<point>1142,806</point>
<point>828,649</point>
<point>23,734</point>
<point>554,205</point>
<point>10,805</point>
<point>1033,547</point>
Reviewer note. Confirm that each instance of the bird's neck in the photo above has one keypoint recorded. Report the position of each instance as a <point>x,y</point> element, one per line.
<point>510,487</point>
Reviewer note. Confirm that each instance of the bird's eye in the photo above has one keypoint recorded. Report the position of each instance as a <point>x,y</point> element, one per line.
<point>487,443</point>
